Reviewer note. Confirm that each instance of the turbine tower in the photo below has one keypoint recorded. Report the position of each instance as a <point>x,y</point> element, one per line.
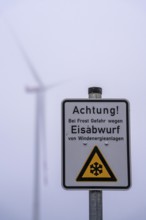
<point>40,142</point>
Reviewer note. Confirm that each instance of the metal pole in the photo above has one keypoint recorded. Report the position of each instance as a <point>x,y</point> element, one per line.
<point>95,196</point>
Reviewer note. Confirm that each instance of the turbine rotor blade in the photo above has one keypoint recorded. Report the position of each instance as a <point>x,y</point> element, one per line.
<point>25,56</point>
<point>43,88</point>
<point>53,85</point>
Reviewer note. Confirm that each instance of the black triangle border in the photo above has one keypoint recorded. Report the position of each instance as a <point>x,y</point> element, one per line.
<point>80,176</point>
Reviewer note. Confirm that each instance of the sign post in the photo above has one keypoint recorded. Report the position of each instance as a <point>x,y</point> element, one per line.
<point>96,152</point>
<point>95,196</point>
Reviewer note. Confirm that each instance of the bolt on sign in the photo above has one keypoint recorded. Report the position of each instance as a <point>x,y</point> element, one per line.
<point>96,143</point>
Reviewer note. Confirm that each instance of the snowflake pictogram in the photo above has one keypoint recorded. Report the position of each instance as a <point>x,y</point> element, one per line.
<point>96,168</point>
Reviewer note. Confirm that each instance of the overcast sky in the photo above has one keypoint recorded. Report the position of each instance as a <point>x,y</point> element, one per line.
<point>76,44</point>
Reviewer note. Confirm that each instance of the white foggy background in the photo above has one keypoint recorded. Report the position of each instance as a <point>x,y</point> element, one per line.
<point>81,43</point>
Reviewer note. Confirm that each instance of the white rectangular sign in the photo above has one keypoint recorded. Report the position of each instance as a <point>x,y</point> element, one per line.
<point>96,143</point>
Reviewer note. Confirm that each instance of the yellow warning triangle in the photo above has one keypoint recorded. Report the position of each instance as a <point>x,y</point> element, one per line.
<point>96,168</point>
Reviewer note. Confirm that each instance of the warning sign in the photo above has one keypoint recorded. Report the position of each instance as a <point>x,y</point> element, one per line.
<point>96,168</point>
<point>95,144</point>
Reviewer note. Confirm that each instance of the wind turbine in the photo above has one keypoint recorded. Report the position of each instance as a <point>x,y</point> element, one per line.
<point>40,136</point>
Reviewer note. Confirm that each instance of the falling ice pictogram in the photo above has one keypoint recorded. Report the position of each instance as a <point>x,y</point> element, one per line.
<point>96,168</point>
